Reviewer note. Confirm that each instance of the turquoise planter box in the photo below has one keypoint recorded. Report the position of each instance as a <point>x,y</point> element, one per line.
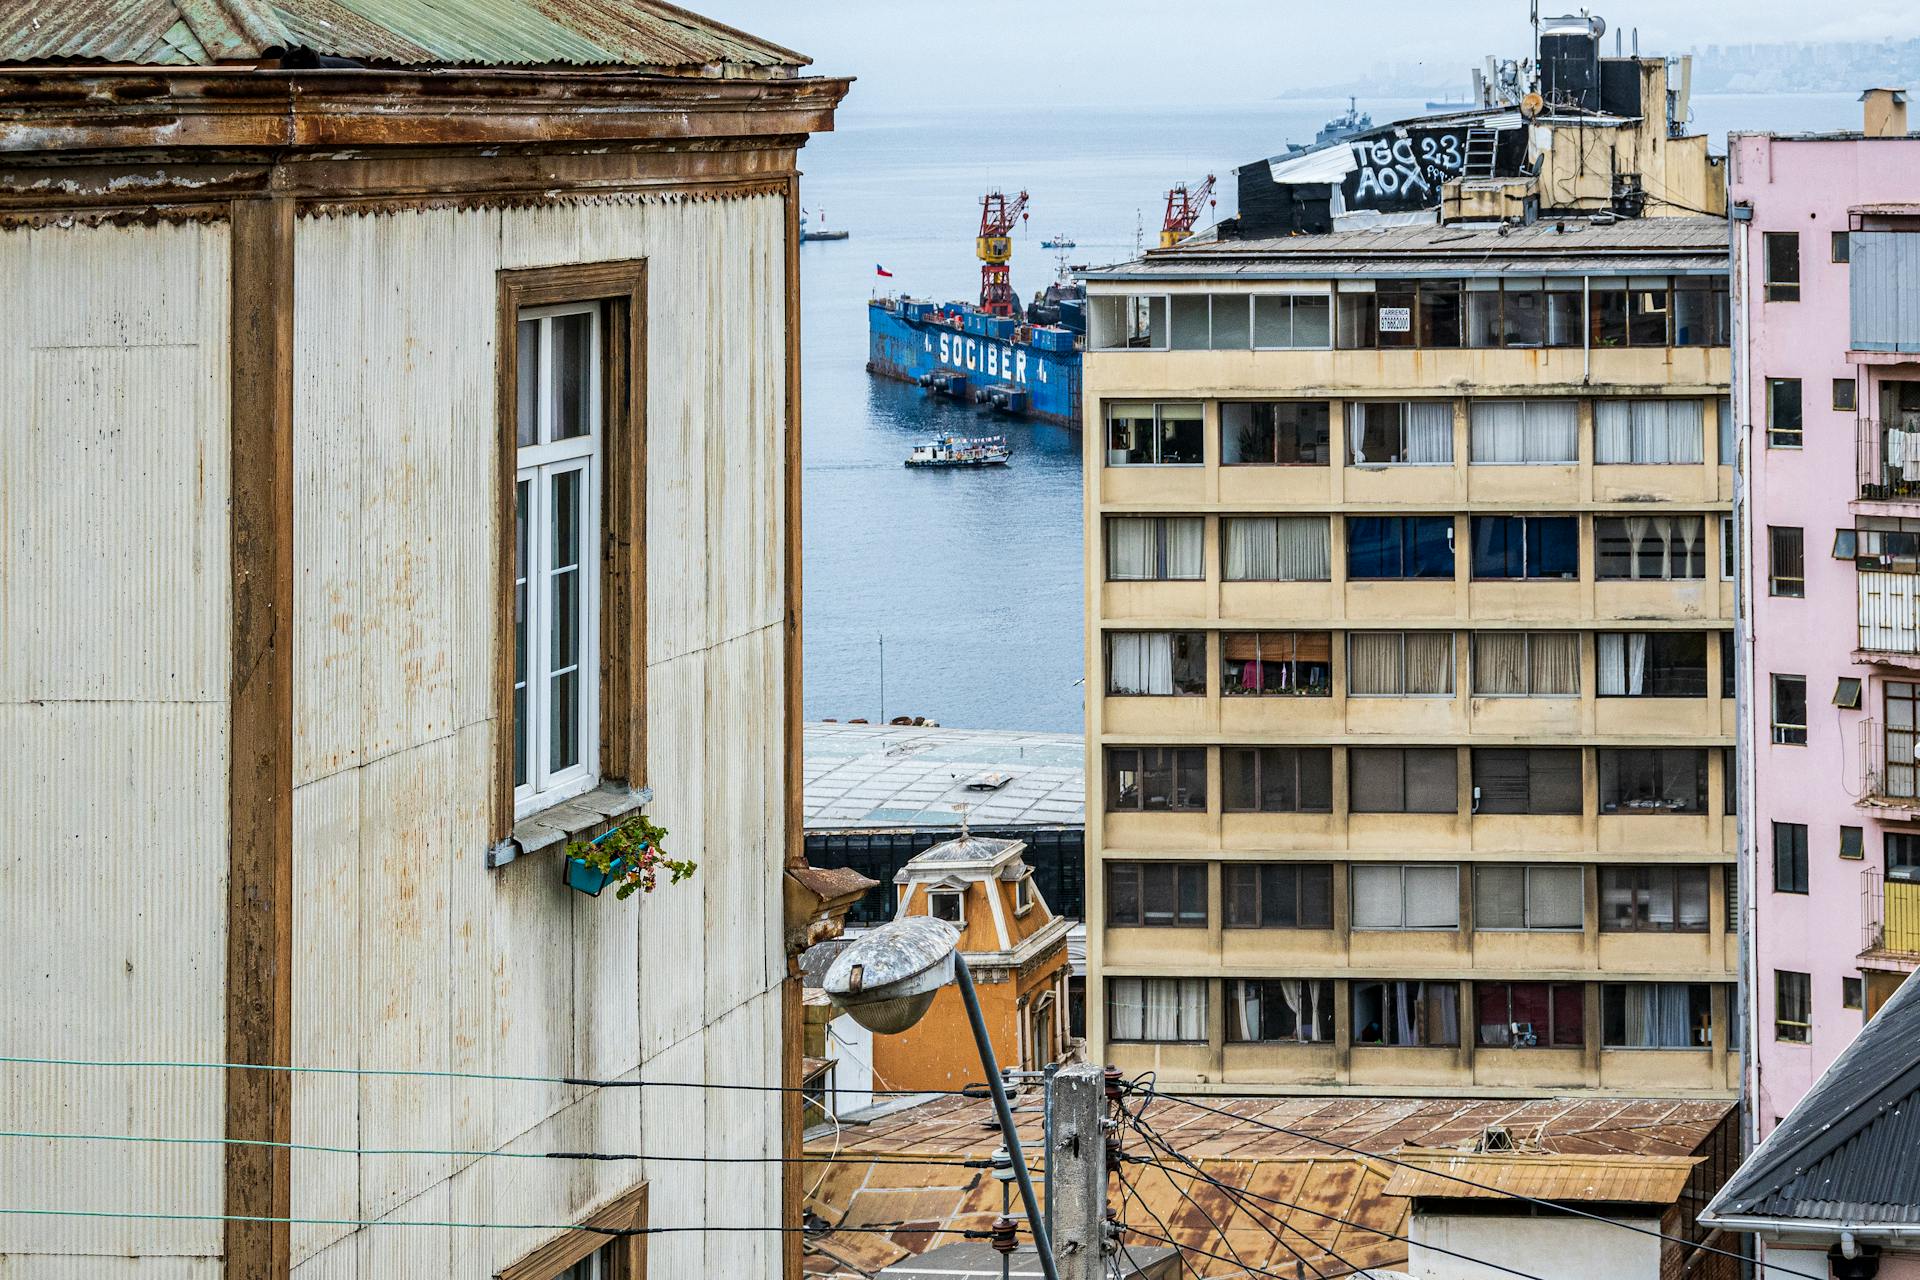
<point>588,880</point>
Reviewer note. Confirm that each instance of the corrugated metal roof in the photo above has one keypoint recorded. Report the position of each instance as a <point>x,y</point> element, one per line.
<point>1846,1153</point>
<point>855,1185</point>
<point>1571,246</point>
<point>407,33</point>
<point>869,775</point>
<point>1636,1179</point>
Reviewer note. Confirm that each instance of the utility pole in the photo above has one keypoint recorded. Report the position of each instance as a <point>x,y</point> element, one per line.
<point>1077,1167</point>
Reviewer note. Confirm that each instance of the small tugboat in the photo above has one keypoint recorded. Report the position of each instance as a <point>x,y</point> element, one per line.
<point>1058,240</point>
<point>807,234</point>
<point>961,451</point>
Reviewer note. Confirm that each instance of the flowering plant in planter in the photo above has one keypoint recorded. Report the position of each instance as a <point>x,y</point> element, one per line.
<point>630,853</point>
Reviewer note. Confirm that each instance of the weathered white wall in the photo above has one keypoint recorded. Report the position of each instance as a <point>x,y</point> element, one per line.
<point>411,954</point>
<point>1564,1248</point>
<point>114,614</point>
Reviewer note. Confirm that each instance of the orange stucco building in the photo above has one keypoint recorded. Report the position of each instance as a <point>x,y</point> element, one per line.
<point>1016,949</point>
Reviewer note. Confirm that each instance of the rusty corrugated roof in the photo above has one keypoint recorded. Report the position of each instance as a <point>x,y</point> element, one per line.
<point>1614,1179</point>
<point>1306,1185</point>
<point>403,33</point>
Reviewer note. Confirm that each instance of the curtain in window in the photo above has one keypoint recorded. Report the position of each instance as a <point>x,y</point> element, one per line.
<point>1525,431</point>
<point>1141,661</point>
<point>1556,897</point>
<point>1500,662</point>
<point>1442,1009</point>
<point>1277,549</point>
<point>1126,1009</point>
<point>1647,431</point>
<point>1622,661</point>
<point>1357,431</point>
<point>1163,1009</point>
<point>1554,662</point>
<point>1429,431</point>
<point>1246,1010</point>
<point>1725,422</point>
<point>1429,662</point>
<point>1129,549</point>
<point>1373,662</point>
<point>1693,900</point>
<point>1185,542</point>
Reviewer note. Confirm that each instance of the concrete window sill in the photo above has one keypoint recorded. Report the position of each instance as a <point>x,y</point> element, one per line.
<point>580,818</point>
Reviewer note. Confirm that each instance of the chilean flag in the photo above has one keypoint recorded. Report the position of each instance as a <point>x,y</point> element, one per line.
<point>882,271</point>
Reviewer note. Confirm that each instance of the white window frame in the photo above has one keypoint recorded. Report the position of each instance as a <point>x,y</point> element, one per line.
<point>1023,895</point>
<point>536,466</point>
<point>959,905</point>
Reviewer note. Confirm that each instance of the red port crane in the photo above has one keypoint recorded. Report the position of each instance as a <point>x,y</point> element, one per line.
<point>995,247</point>
<point>1183,210</point>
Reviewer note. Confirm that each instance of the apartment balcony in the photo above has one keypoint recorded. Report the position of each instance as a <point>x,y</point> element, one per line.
<point>1887,462</point>
<point>1884,296</point>
<point>1889,618</point>
<point>1889,920</point>
<point>1889,774</point>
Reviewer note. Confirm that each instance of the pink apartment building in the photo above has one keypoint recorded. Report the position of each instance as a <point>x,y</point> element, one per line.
<point>1826,280</point>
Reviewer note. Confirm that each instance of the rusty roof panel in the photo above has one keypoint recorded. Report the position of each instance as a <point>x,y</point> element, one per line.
<point>404,33</point>
<point>1615,1179</point>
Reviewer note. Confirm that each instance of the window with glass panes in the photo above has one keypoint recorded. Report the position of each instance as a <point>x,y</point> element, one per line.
<point>1780,257</point>
<point>1789,857</point>
<point>1148,434</point>
<point>1903,856</point>
<point>1277,779</point>
<point>1651,664</point>
<point>1526,664</point>
<point>1157,779</point>
<point>1400,432</point>
<point>1415,895</point>
<point>1157,1009</point>
<point>1656,1015</point>
<point>1278,895</point>
<point>1790,710</point>
<point>1156,663</point>
<point>1274,433</point>
<point>1403,780</point>
<point>1654,899</point>
<point>1785,422</point>
<point>1651,547</point>
<point>1522,547</point>
<point>1523,432</point>
<point>1528,898</point>
<point>1653,781</point>
<point>1649,432</point>
<point>1387,547</point>
<point>1155,548</point>
<point>1402,1014</point>
<point>1530,1015</point>
<point>1284,663</point>
<point>556,562</point>
<point>1792,1006</point>
<point>1900,700</point>
<point>1416,664</point>
<point>1157,895</point>
<point>1787,561</point>
<point>1279,1010</point>
<point>1538,780</point>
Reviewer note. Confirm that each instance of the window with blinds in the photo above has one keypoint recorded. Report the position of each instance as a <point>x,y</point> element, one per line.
<point>1285,663</point>
<point>1406,1014</point>
<point>1512,898</point>
<point>1155,548</point>
<point>1658,664</point>
<point>1540,780</point>
<point>1279,895</point>
<point>1277,779</point>
<point>1156,663</point>
<point>1526,664</point>
<point>1415,895</point>
<point>1653,899</point>
<point>1280,1010</point>
<point>1403,779</point>
<point>1157,1009</point>
<point>1400,664</point>
<point>1649,431</point>
<point>1652,547</point>
<point>1275,549</point>
<point>1523,432</point>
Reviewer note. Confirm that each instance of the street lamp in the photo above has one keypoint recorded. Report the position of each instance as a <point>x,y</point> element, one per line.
<point>886,980</point>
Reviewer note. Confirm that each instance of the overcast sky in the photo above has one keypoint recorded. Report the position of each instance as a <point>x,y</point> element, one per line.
<point>1110,52</point>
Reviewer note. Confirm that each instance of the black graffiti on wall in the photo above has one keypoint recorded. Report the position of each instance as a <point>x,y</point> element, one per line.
<point>1404,170</point>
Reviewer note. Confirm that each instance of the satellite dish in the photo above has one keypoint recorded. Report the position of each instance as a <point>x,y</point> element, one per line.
<point>888,977</point>
<point>1532,105</point>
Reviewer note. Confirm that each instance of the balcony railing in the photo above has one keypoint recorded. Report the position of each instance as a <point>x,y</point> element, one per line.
<point>1889,461</point>
<point>1889,774</point>
<point>1889,616</point>
<point>1889,915</point>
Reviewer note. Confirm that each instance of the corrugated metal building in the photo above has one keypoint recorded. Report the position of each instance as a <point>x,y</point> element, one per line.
<point>364,539</point>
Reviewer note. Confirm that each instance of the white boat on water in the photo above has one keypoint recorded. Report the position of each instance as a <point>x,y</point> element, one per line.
<point>961,451</point>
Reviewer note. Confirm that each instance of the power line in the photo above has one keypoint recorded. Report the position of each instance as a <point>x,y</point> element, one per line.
<point>871,1228</point>
<point>1556,1206</point>
<point>1248,1193</point>
<point>874,1158</point>
<point>976,1092</point>
<point>1217,1257</point>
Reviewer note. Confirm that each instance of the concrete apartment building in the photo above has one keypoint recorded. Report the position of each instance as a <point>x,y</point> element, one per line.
<point>1827,305</point>
<point>401,479</point>
<point>1409,608</point>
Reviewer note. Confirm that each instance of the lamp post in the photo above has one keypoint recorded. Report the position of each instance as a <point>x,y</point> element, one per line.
<point>886,980</point>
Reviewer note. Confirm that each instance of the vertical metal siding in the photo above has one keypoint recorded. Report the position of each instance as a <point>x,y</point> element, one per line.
<point>1884,288</point>
<point>1889,612</point>
<point>113,686</point>
<point>452,966</point>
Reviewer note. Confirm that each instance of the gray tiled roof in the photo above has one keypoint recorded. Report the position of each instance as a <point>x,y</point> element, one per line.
<point>863,775</point>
